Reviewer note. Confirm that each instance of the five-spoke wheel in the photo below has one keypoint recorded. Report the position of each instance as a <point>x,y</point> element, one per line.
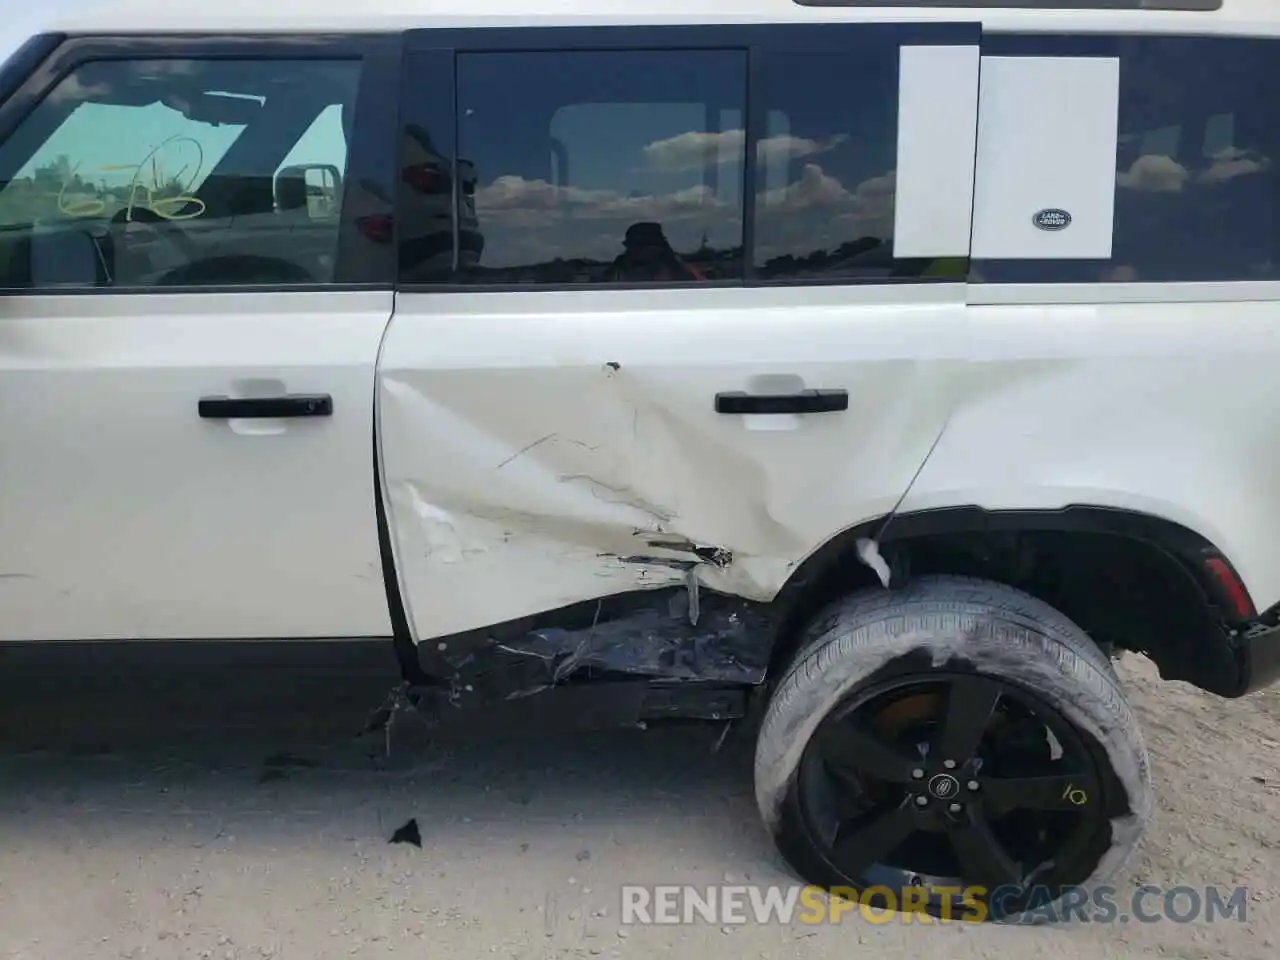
<point>961,741</point>
<point>954,781</point>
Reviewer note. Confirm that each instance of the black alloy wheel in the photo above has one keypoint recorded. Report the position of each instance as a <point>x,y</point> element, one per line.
<point>950,782</point>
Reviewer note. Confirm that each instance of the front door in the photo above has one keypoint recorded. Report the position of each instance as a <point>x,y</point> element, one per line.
<point>189,326</point>
<point>710,324</point>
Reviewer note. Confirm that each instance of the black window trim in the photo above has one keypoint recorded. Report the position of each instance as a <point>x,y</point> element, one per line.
<point>794,36</point>
<point>755,39</point>
<point>372,159</point>
<point>24,61</point>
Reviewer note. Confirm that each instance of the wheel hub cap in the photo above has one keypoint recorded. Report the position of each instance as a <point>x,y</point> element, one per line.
<point>943,786</point>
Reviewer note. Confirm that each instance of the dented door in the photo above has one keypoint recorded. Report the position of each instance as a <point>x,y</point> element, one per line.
<point>557,427</point>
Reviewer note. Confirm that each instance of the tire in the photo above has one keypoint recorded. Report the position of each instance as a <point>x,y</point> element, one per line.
<point>972,634</point>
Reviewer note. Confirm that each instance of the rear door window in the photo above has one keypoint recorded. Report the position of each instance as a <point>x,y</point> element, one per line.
<point>604,166</point>
<point>688,155</point>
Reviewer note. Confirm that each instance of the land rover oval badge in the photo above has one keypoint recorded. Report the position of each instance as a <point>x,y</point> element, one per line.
<point>1052,219</point>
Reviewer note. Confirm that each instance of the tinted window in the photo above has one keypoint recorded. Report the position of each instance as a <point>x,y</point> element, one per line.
<point>825,167</point>
<point>1196,179</point>
<point>178,173</point>
<point>424,205</point>
<point>596,167</point>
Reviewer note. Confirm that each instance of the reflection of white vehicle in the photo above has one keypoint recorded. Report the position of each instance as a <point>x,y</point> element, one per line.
<point>314,188</point>
<point>909,511</point>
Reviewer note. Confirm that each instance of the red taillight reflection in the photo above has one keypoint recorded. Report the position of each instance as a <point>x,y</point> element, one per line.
<point>425,179</point>
<point>379,228</point>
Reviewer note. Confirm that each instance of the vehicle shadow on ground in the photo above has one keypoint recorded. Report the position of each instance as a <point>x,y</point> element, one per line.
<point>273,740</point>
<point>229,794</point>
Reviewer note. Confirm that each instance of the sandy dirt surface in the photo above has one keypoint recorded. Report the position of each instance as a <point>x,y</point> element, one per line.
<point>204,811</point>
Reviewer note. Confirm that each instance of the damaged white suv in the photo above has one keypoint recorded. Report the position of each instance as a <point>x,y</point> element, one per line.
<point>662,363</point>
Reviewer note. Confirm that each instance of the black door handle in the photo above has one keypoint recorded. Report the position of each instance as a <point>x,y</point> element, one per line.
<point>265,408</point>
<point>806,401</point>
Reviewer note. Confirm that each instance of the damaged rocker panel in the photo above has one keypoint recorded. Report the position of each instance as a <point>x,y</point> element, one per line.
<point>661,653</point>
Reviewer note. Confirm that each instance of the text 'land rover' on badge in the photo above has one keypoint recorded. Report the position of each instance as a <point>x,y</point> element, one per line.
<point>1052,219</point>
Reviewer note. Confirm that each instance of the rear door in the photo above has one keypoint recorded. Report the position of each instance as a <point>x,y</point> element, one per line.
<point>194,281</point>
<point>699,307</point>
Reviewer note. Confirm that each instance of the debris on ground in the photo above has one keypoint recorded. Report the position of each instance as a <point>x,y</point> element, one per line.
<point>408,833</point>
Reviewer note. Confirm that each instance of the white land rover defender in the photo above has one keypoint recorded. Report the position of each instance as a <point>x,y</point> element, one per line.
<point>889,366</point>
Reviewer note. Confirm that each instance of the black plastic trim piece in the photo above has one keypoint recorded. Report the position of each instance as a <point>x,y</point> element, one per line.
<point>24,61</point>
<point>265,408</point>
<point>221,289</point>
<point>806,401</point>
<point>1026,44</point>
<point>406,651</point>
<point>756,122</point>
<point>1189,548</point>
<point>453,287</point>
<point>425,287</point>
<point>855,281</point>
<point>834,37</point>
<point>455,166</point>
<point>1242,649</point>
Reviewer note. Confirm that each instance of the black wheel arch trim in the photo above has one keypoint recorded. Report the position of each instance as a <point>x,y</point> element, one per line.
<point>1252,638</point>
<point>1193,551</point>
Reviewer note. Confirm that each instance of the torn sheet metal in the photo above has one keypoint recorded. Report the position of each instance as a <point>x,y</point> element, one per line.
<point>729,644</point>
<point>643,661</point>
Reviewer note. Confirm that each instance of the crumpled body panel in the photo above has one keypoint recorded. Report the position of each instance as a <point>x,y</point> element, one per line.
<point>543,450</point>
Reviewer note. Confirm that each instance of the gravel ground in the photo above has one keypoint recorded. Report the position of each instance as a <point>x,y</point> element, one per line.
<point>171,806</point>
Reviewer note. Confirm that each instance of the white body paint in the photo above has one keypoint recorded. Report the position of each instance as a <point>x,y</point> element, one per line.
<point>1046,140</point>
<point>124,516</point>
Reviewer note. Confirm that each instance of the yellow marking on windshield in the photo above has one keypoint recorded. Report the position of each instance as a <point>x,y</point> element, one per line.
<point>143,196</point>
